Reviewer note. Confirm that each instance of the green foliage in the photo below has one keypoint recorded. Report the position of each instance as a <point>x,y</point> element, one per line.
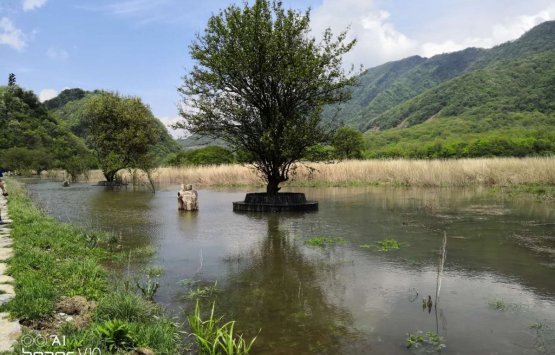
<point>513,134</point>
<point>388,244</point>
<point>213,338</point>
<point>116,335</point>
<point>203,291</point>
<point>33,139</point>
<point>148,287</point>
<point>431,341</point>
<point>125,306</point>
<point>64,97</point>
<point>348,143</point>
<point>260,82</point>
<point>320,152</point>
<point>122,131</point>
<point>212,155</point>
<point>322,241</point>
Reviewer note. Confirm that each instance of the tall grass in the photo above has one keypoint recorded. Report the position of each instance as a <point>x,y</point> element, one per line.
<point>455,172</point>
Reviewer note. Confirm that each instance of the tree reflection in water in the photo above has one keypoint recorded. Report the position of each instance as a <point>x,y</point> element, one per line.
<point>278,290</point>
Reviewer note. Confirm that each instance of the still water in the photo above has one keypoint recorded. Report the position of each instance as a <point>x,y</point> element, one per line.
<point>498,284</point>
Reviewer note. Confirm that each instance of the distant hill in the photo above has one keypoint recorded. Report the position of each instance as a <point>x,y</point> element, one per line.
<point>69,105</point>
<point>195,141</point>
<point>383,98</point>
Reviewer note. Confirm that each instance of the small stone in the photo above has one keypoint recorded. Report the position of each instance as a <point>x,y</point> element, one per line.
<point>9,332</point>
<point>5,253</point>
<point>7,289</point>
<point>3,268</point>
<point>5,298</point>
<point>5,279</point>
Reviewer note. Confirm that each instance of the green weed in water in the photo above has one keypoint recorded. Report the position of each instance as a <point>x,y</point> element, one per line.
<point>388,244</point>
<point>429,340</point>
<point>502,306</point>
<point>322,241</point>
<point>213,338</point>
<point>202,291</point>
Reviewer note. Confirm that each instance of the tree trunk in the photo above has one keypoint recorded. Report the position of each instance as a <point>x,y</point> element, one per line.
<point>110,175</point>
<point>273,187</point>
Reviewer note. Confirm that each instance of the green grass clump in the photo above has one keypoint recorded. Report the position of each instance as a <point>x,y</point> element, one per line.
<point>388,244</point>
<point>213,338</point>
<point>126,306</point>
<point>322,241</point>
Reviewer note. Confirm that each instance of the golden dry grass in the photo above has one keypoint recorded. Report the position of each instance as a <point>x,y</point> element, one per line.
<point>460,172</point>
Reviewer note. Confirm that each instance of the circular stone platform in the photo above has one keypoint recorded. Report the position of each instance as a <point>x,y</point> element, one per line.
<point>281,202</point>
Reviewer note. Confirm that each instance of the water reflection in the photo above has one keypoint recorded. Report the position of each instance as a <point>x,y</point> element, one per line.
<point>275,287</point>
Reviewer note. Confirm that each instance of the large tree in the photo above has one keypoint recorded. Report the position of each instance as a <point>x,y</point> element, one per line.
<point>260,81</point>
<point>122,131</point>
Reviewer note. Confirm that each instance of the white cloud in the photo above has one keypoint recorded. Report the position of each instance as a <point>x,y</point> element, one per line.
<point>29,5</point>
<point>47,94</point>
<point>57,54</point>
<point>380,41</point>
<point>10,35</point>
<point>168,121</point>
<point>509,30</point>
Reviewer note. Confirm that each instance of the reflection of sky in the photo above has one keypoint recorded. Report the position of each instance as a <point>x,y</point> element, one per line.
<point>484,260</point>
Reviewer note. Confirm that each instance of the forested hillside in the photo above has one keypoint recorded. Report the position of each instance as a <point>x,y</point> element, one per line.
<point>39,136</point>
<point>387,95</point>
<point>33,138</point>
<point>503,106</point>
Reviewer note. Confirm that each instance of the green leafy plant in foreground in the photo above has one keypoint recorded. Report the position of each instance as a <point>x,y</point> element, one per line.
<point>116,335</point>
<point>213,338</point>
<point>322,241</point>
<point>388,244</point>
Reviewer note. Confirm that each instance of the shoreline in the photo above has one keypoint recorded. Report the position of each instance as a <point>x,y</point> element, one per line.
<point>63,288</point>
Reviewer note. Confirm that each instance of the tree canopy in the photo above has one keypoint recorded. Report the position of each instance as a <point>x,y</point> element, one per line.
<point>122,132</point>
<point>260,82</point>
<point>348,143</point>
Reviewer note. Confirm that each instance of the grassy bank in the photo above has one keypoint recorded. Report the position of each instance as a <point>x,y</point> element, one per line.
<point>428,173</point>
<point>62,289</point>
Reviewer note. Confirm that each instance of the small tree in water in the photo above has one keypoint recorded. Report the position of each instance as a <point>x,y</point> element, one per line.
<point>260,83</point>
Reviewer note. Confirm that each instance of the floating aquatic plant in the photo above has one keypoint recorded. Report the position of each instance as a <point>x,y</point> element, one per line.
<point>322,241</point>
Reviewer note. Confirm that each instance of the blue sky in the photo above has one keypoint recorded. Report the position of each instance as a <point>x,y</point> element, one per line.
<point>140,47</point>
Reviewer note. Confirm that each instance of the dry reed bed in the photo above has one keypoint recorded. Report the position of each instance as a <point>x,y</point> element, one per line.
<point>459,172</point>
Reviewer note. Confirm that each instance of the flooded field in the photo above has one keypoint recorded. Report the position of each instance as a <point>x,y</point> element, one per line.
<point>268,271</point>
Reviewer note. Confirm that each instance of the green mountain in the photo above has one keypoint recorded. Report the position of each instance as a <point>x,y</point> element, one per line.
<point>476,102</point>
<point>389,95</point>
